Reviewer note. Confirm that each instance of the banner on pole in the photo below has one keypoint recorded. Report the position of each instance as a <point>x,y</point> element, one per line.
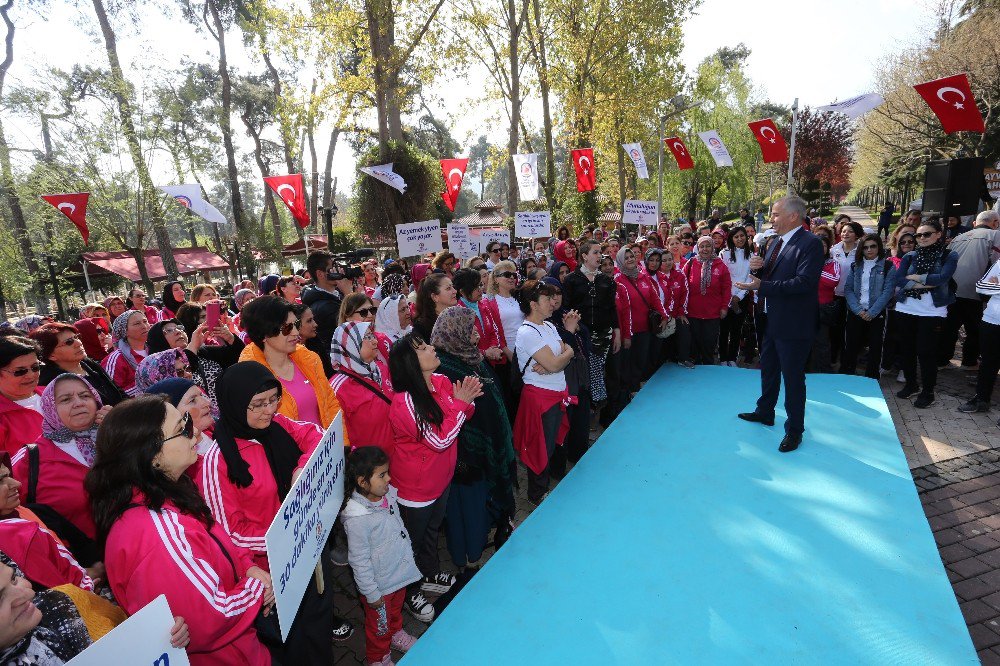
<point>144,638</point>
<point>487,236</point>
<point>718,150</point>
<point>526,167</point>
<point>189,196</point>
<point>415,238</point>
<point>298,533</point>
<point>533,225</point>
<point>641,212</point>
<point>772,144</point>
<point>460,241</point>
<point>855,106</point>
<point>384,173</point>
<point>634,151</point>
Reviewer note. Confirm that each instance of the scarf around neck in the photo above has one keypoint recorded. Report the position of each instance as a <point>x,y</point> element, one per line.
<point>620,261</point>
<point>924,261</point>
<point>119,331</point>
<point>453,333</point>
<point>345,350</point>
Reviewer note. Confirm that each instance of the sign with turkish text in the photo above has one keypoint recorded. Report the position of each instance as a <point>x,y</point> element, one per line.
<point>487,236</point>
<point>415,238</point>
<point>533,225</point>
<point>641,212</point>
<point>144,638</point>
<point>460,242</point>
<point>992,182</point>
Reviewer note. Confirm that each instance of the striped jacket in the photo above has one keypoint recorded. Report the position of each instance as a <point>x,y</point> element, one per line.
<point>40,554</point>
<point>202,574</point>
<point>121,372</point>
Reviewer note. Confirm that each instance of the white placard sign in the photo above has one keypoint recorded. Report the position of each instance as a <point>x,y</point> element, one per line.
<point>487,236</point>
<point>533,225</point>
<point>460,243</point>
<point>144,638</point>
<point>641,212</point>
<point>296,538</point>
<point>414,238</point>
<point>526,167</point>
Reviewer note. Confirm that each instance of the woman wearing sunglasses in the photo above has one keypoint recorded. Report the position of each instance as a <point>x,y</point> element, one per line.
<point>161,537</point>
<point>20,405</point>
<point>868,290</point>
<point>137,301</point>
<point>273,330</point>
<point>61,348</point>
<point>501,292</point>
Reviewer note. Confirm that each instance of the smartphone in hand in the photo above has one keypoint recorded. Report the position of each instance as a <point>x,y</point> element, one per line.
<point>213,312</point>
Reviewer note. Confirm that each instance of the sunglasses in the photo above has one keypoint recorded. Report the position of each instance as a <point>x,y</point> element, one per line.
<point>687,243</point>
<point>925,234</point>
<point>507,274</point>
<point>187,428</point>
<point>870,247</point>
<point>366,312</point>
<point>908,241</point>
<point>21,372</point>
<point>286,329</point>
<point>72,340</point>
<point>495,250</point>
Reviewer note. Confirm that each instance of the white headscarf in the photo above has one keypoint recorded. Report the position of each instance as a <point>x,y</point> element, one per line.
<point>387,318</point>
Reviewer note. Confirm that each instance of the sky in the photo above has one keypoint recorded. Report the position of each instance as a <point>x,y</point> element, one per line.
<point>815,50</point>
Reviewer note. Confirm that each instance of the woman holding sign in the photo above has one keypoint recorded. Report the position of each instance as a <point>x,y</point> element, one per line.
<point>161,538</point>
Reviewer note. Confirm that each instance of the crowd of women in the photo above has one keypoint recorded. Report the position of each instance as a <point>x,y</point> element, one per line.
<point>146,448</point>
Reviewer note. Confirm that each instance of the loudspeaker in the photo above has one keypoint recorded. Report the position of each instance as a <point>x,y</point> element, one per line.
<point>953,187</point>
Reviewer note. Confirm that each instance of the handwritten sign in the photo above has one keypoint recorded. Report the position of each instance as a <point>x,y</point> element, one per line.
<point>641,212</point>
<point>460,242</point>
<point>296,538</point>
<point>144,638</point>
<point>533,225</point>
<point>415,238</point>
<point>487,236</point>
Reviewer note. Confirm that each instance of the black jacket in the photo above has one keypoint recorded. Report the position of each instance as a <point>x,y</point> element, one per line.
<point>110,393</point>
<point>326,309</point>
<point>595,303</point>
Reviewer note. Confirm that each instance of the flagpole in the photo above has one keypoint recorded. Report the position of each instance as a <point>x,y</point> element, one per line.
<point>791,150</point>
<point>659,169</point>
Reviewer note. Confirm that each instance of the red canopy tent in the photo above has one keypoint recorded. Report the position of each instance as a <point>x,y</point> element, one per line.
<point>189,260</point>
<point>316,242</point>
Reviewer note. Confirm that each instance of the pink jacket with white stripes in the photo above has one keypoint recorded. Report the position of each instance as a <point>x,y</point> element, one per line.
<point>203,575</point>
<point>422,465</point>
<point>246,513</point>
<point>43,559</point>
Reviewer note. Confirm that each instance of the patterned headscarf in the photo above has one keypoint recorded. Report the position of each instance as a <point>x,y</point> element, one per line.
<point>620,261</point>
<point>119,333</point>
<point>394,285</point>
<point>345,350</point>
<point>28,324</point>
<point>387,318</point>
<point>242,296</point>
<point>56,430</point>
<point>453,333</point>
<point>158,366</point>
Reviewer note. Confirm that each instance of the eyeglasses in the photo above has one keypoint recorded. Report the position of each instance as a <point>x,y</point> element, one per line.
<point>506,274</point>
<point>169,331</point>
<point>364,312</point>
<point>925,234</point>
<point>21,372</point>
<point>908,241</point>
<point>72,340</point>
<point>687,243</point>
<point>257,406</point>
<point>286,329</point>
<point>187,428</point>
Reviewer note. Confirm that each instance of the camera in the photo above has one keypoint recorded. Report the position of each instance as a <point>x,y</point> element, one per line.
<point>344,273</point>
<point>349,272</point>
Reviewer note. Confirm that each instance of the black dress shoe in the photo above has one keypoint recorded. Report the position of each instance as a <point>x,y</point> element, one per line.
<point>790,443</point>
<point>754,417</point>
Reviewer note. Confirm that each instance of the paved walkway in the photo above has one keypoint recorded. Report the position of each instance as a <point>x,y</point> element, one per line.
<point>859,215</point>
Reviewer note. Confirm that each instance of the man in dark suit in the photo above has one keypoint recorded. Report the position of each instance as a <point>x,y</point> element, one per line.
<point>788,282</point>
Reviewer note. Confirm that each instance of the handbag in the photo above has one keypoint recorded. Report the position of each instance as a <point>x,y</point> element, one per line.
<point>668,330</point>
<point>653,317</point>
<point>832,314</point>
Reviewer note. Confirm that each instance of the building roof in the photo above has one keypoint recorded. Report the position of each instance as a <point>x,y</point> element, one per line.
<point>489,213</point>
<point>189,260</point>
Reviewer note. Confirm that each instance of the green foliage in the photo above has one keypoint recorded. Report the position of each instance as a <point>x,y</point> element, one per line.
<point>380,208</point>
<point>345,239</point>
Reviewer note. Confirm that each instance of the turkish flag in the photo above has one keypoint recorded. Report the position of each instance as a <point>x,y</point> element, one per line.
<point>680,151</point>
<point>772,144</point>
<point>292,190</point>
<point>583,162</point>
<point>73,206</point>
<point>952,102</point>
<point>454,173</point>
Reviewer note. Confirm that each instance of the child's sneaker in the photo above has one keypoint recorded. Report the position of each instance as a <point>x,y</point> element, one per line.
<point>438,584</point>
<point>402,641</point>
<point>418,606</point>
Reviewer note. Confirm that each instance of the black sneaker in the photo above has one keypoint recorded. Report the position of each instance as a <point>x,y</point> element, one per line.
<point>907,391</point>
<point>438,584</point>
<point>924,400</point>
<point>418,606</point>
<point>342,629</point>
<point>975,405</point>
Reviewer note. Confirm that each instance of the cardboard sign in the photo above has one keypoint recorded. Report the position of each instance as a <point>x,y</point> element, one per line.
<point>296,538</point>
<point>460,242</point>
<point>641,212</point>
<point>992,182</point>
<point>533,225</point>
<point>144,638</point>
<point>487,236</point>
<point>416,238</point>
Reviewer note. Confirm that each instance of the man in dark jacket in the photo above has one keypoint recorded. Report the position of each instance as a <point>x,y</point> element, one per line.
<point>324,297</point>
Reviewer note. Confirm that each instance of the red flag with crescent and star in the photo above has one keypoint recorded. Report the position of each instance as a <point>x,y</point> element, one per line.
<point>680,151</point>
<point>772,144</point>
<point>292,190</point>
<point>74,207</point>
<point>583,162</point>
<point>454,173</point>
<point>952,102</point>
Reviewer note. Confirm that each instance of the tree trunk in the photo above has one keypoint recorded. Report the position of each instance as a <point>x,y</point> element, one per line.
<point>272,208</point>
<point>121,92</point>
<point>544,86</point>
<point>381,36</point>
<point>514,26</point>
<point>314,161</point>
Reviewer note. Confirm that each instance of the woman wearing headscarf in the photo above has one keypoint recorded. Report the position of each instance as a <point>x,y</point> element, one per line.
<point>174,296</point>
<point>565,251</point>
<point>129,334</point>
<point>27,325</point>
<point>115,306</point>
<point>71,413</point>
<point>189,398</point>
<point>393,321</point>
<point>94,332</point>
<point>242,297</point>
<point>559,270</point>
<point>394,284</point>
<point>246,476</point>
<point>481,493</point>
<point>267,284</point>
<point>637,298</point>
<point>710,290</point>
<point>362,385</point>
<point>161,365</point>
<point>62,350</point>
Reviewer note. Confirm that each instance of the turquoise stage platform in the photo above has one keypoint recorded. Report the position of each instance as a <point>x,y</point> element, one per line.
<point>685,537</point>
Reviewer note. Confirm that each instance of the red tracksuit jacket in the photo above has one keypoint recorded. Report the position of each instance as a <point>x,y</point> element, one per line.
<point>43,559</point>
<point>60,484</point>
<point>366,416</point>
<point>718,294</point>
<point>675,287</point>
<point>632,309</point>
<point>120,371</point>
<point>18,426</point>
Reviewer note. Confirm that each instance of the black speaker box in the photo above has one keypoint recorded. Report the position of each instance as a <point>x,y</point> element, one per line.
<point>953,187</point>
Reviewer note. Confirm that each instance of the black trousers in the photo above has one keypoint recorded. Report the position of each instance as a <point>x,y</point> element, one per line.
<point>704,340</point>
<point>819,354</point>
<point>919,341</point>
<point>731,332</point>
<point>634,361</point>
<point>990,345</point>
<point>424,525</point>
<point>678,346</point>
<point>859,334</point>
<point>538,484</point>
<point>784,359</point>
<point>890,341</point>
<point>967,312</point>
<point>837,330</point>
<point>310,640</point>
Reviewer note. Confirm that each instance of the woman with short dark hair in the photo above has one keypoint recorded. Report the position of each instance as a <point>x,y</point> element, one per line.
<point>62,350</point>
<point>870,287</point>
<point>20,405</point>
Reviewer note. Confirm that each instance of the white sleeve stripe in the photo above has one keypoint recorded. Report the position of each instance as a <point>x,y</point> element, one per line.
<point>86,582</point>
<point>21,452</point>
<point>213,497</point>
<point>438,442</point>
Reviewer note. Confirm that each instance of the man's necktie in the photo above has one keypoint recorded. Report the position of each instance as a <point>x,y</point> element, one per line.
<point>772,258</point>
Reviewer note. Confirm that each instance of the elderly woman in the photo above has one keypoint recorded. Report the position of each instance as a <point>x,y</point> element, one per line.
<point>115,307</point>
<point>20,405</point>
<point>637,298</point>
<point>161,538</point>
<point>273,329</point>
<point>710,292</point>
<point>482,489</point>
<point>129,332</point>
<point>362,385</point>
<point>62,349</point>
<point>393,321</point>
<point>159,366</point>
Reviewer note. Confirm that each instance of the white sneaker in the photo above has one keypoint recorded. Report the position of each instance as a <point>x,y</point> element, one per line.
<point>438,584</point>
<point>418,606</point>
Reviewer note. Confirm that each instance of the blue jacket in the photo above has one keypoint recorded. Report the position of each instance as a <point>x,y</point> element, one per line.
<point>881,286</point>
<point>940,277</point>
<point>790,289</point>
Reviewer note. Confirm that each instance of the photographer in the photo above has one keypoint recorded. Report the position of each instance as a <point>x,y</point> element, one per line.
<point>330,285</point>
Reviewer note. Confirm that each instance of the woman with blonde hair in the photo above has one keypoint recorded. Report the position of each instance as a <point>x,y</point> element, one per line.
<point>445,261</point>
<point>501,291</point>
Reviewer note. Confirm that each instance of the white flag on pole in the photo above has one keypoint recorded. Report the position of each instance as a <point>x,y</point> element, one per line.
<point>634,150</point>
<point>719,152</point>
<point>855,106</point>
<point>526,167</point>
<point>189,196</point>
<point>384,173</point>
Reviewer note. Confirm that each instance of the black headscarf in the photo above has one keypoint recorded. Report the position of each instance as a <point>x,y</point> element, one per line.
<point>173,387</point>
<point>235,390</point>
<point>169,301</point>
<point>156,341</point>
